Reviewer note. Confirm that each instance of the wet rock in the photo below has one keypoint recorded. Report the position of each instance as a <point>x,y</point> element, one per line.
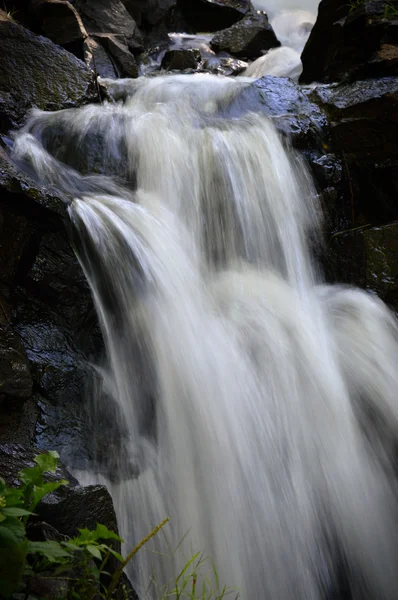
<point>213,15</point>
<point>224,66</point>
<point>363,116</point>
<point>248,38</point>
<point>290,108</point>
<point>181,59</point>
<point>15,379</point>
<point>81,507</point>
<point>15,232</point>
<point>59,21</point>
<point>18,421</point>
<point>102,16</point>
<point>122,59</point>
<point>14,457</point>
<point>97,59</point>
<point>36,72</point>
<point>358,42</point>
<point>26,198</point>
<point>368,257</point>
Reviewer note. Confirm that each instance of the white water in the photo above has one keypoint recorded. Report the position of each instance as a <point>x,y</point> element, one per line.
<point>292,23</point>
<point>275,395</point>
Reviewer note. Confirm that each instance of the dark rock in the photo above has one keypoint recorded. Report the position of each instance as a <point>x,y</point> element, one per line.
<point>181,59</point>
<point>290,108</point>
<point>97,59</point>
<point>248,38</point>
<point>224,66</point>
<point>18,421</point>
<point>363,116</point>
<point>15,457</point>
<point>36,72</point>
<point>368,257</point>
<point>15,379</point>
<point>102,16</point>
<point>123,60</point>
<point>359,43</point>
<point>213,15</point>
<point>81,507</point>
<point>15,233</point>
<point>59,21</point>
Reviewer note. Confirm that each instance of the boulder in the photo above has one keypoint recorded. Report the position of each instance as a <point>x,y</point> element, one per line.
<point>224,66</point>
<point>15,378</point>
<point>36,72</point>
<point>368,257</point>
<point>59,21</point>
<point>248,38</point>
<point>357,42</point>
<point>363,124</point>
<point>102,16</point>
<point>181,59</point>
<point>213,15</point>
<point>98,60</point>
<point>122,59</point>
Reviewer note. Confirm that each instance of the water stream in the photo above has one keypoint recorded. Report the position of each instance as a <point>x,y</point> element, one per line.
<point>248,401</point>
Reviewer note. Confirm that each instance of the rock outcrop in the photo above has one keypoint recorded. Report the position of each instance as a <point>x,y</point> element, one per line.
<point>248,38</point>
<point>358,41</point>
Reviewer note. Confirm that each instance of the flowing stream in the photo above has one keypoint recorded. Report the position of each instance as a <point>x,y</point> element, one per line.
<point>245,399</point>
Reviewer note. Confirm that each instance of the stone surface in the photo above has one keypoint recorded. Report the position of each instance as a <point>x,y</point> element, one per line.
<point>248,38</point>
<point>368,257</point>
<point>59,21</point>
<point>181,59</point>
<point>97,59</point>
<point>213,15</point>
<point>102,16</point>
<point>122,59</point>
<point>36,72</point>
<point>358,42</point>
<point>15,378</point>
<point>224,66</point>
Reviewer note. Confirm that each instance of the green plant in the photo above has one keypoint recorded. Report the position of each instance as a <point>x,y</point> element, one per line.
<point>391,9</point>
<point>80,563</point>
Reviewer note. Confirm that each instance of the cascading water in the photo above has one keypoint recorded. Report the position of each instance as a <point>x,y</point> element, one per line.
<point>253,405</point>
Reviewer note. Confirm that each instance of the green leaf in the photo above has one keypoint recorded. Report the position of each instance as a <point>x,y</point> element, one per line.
<point>12,565</point>
<point>43,490</point>
<point>85,535</point>
<point>47,461</point>
<point>14,511</point>
<point>94,551</point>
<point>53,551</point>
<point>113,552</point>
<point>12,530</point>
<point>31,475</point>
<point>103,533</point>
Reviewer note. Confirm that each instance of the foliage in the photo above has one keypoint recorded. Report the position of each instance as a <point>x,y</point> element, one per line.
<point>391,8</point>
<point>79,564</point>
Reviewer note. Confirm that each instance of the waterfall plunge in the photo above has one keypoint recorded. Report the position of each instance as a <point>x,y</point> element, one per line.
<point>241,386</point>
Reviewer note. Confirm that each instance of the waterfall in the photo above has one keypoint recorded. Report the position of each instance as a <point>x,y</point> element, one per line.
<point>245,399</point>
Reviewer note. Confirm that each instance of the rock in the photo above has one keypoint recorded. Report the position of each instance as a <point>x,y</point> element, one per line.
<point>363,116</point>
<point>213,15</point>
<point>59,21</point>
<point>248,38</point>
<point>102,16</point>
<point>97,59</point>
<point>81,507</point>
<point>36,72</point>
<point>15,457</point>
<point>181,59</point>
<point>122,59</point>
<point>18,421</point>
<point>290,108</point>
<point>368,257</point>
<point>359,43</point>
<point>15,379</point>
<point>224,66</point>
